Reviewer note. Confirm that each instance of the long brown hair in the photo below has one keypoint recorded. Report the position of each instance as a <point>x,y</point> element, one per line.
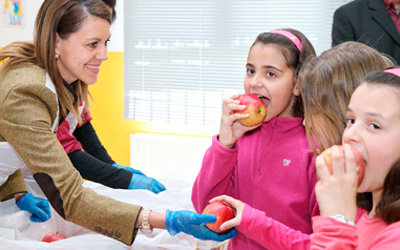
<point>326,84</point>
<point>62,17</point>
<point>294,57</point>
<point>388,208</point>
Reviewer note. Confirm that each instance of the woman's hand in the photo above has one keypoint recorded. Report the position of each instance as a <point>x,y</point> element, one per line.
<point>193,224</point>
<point>39,207</point>
<point>237,205</point>
<point>336,193</point>
<point>231,130</point>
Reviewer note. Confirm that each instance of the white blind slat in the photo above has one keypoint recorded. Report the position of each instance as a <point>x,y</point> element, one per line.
<point>182,57</point>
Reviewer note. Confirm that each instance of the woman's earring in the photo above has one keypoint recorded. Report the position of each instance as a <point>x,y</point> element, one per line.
<point>57,56</point>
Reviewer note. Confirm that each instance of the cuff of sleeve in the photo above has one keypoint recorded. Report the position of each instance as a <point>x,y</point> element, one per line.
<point>14,184</point>
<point>320,223</point>
<point>220,147</point>
<point>135,229</point>
<point>20,196</point>
<point>247,215</point>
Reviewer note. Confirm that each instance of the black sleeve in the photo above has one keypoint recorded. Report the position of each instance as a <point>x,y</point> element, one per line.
<point>95,170</point>
<point>87,136</point>
<point>342,28</point>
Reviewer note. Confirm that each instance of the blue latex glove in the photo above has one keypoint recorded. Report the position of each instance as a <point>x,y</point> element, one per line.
<point>193,224</point>
<point>135,171</point>
<point>139,181</point>
<point>39,207</point>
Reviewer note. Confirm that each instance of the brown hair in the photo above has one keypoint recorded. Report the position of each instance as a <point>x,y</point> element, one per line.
<point>294,57</point>
<point>62,17</point>
<point>326,84</point>
<point>111,4</point>
<point>389,207</point>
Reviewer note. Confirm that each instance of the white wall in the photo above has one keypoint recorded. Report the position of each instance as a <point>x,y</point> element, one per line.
<point>117,29</point>
<point>24,32</point>
<point>29,10</point>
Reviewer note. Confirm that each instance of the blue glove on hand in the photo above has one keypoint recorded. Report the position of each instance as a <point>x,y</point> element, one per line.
<point>139,181</point>
<point>135,171</point>
<point>39,207</point>
<point>193,224</point>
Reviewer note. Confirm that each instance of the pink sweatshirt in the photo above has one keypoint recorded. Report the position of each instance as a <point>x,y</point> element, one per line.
<point>270,169</point>
<point>369,233</point>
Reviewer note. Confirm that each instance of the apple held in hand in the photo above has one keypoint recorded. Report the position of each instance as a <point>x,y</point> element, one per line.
<point>327,154</point>
<point>222,211</point>
<point>255,107</point>
<point>50,237</point>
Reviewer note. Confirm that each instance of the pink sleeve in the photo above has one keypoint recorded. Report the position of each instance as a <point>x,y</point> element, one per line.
<point>329,233</point>
<point>388,238</point>
<point>215,174</point>
<point>271,233</point>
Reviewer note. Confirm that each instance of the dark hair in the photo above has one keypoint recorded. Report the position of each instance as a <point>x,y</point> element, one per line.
<point>382,78</point>
<point>389,207</point>
<point>111,5</point>
<point>294,57</point>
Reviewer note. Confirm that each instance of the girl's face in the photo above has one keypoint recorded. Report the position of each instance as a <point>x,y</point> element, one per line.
<point>82,52</point>
<point>373,127</point>
<point>269,77</point>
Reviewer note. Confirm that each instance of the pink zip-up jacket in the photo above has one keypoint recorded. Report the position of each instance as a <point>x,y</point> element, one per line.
<point>271,169</point>
<point>369,233</point>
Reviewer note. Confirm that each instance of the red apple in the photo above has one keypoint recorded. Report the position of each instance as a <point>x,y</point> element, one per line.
<point>327,154</point>
<point>255,107</point>
<point>222,211</point>
<point>50,237</point>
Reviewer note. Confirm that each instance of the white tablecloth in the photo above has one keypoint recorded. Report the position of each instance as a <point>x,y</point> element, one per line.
<point>18,232</point>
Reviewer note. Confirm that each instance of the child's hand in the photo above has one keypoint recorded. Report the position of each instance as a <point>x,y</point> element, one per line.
<point>237,205</point>
<point>231,130</point>
<point>336,193</point>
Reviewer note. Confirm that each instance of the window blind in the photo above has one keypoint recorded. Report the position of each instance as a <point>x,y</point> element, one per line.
<point>183,57</point>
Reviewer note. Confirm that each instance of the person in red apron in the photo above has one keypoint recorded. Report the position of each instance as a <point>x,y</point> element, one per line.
<point>91,159</point>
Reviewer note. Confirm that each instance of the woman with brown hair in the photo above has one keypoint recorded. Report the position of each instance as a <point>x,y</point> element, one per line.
<point>88,155</point>
<point>40,82</point>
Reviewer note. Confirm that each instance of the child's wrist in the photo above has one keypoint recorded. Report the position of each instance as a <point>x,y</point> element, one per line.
<point>226,145</point>
<point>344,219</point>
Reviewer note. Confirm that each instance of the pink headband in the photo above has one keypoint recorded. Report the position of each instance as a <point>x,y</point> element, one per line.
<point>289,36</point>
<point>393,71</point>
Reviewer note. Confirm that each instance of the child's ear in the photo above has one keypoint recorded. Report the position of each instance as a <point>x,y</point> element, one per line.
<point>296,89</point>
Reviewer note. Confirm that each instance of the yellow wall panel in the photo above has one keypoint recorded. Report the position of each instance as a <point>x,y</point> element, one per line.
<point>108,107</point>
